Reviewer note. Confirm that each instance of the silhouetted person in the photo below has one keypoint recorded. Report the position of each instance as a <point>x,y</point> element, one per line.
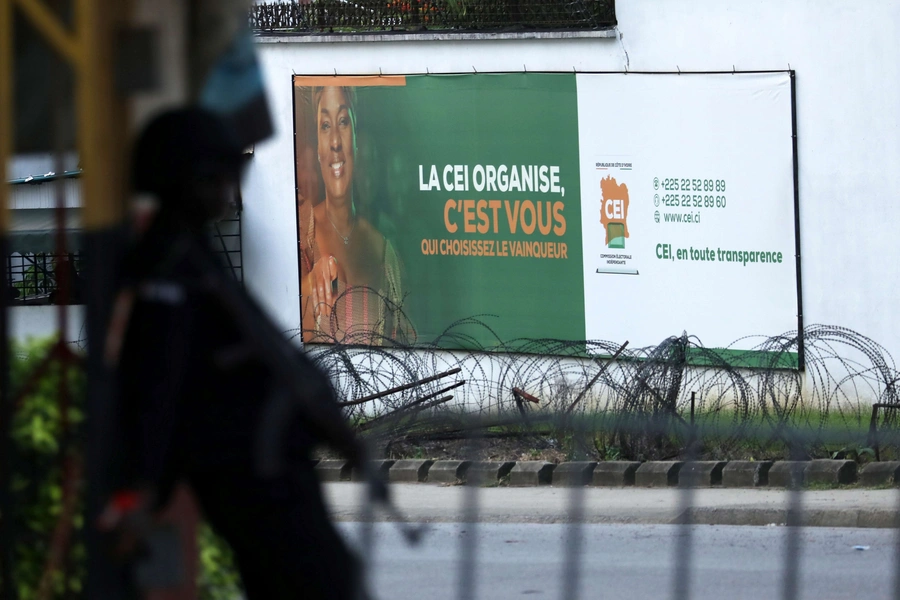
<point>73,281</point>
<point>205,396</point>
<point>12,294</point>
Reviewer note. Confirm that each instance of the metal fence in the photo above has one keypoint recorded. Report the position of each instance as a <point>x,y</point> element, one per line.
<point>597,401</point>
<point>677,401</point>
<point>345,16</point>
<point>228,246</point>
<point>33,278</point>
<point>792,518</point>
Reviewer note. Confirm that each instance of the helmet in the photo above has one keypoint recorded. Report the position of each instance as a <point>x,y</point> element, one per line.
<point>180,145</point>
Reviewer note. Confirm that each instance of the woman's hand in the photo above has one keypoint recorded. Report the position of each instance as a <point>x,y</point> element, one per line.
<point>322,282</point>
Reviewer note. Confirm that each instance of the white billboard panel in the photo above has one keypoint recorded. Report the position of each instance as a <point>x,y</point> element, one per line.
<point>687,206</point>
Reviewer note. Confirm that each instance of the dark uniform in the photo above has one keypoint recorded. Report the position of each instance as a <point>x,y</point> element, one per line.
<point>194,390</point>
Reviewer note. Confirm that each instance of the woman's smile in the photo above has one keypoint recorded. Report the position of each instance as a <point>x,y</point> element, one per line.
<point>336,143</point>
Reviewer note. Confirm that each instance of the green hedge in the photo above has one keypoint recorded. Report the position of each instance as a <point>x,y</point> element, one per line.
<point>37,485</point>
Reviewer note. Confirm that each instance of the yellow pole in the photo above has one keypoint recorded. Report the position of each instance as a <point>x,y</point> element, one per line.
<point>100,112</point>
<point>51,29</point>
<point>101,116</point>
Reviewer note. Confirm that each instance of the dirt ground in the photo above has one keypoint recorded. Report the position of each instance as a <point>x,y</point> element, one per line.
<point>496,449</point>
<point>491,449</point>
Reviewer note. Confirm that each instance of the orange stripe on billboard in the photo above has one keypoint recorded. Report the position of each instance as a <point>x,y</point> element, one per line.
<point>350,80</point>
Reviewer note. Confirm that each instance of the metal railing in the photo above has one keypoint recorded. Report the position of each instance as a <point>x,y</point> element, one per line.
<point>347,16</point>
<point>33,278</point>
<point>228,246</point>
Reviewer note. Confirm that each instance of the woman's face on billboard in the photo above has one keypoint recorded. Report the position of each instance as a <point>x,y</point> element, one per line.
<point>335,133</point>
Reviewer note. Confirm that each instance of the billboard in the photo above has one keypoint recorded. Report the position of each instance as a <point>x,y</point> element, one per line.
<point>548,205</point>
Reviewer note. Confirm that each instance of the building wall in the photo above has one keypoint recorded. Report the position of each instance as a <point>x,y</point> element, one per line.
<point>844,53</point>
<point>41,321</point>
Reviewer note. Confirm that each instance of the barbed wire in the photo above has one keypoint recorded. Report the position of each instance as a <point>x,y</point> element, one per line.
<point>747,400</point>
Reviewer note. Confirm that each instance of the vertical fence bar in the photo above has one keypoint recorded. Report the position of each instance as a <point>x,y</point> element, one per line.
<point>896,581</point>
<point>468,543</point>
<point>790,580</point>
<point>367,525</point>
<point>101,133</point>
<point>684,547</point>
<point>574,540</point>
<point>7,526</point>
<point>7,129</point>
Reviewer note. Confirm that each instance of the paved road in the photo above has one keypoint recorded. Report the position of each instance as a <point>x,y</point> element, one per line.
<point>434,503</point>
<point>630,562</point>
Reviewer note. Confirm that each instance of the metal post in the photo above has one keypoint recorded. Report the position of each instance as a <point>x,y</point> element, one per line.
<point>574,533</point>
<point>801,350</point>
<point>7,128</point>
<point>684,545</point>
<point>7,526</point>
<point>468,543</point>
<point>101,130</point>
<point>101,135</point>
<point>790,584</point>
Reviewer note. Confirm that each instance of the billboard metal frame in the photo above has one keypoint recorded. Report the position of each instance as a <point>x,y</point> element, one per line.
<point>801,364</point>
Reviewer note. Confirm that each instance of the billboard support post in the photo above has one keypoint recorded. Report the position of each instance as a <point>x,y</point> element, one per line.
<point>801,355</point>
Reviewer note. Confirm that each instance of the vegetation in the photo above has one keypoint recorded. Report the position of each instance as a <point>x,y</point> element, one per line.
<point>43,452</point>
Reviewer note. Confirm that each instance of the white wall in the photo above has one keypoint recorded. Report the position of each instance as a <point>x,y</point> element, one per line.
<point>848,93</point>
<point>41,321</point>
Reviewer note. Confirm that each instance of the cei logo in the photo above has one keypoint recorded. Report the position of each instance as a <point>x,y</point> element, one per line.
<point>614,211</point>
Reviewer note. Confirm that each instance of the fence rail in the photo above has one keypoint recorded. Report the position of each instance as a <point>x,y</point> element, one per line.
<point>361,16</point>
<point>656,405</point>
<point>682,470</point>
<point>679,409</point>
<point>33,278</point>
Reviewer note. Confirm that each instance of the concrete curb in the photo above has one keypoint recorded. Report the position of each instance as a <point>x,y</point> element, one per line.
<point>880,473</point>
<point>615,473</point>
<point>704,473</point>
<point>333,470</point>
<point>813,517</point>
<point>746,473</point>
<point>788,473</point>
<point>448,471</point>
<point>381,467</point>
<point>831,472</point>
<point>531,473</point>
<point>569,474</point>
<point>728,474</point>
<point>487,473</point>
<point>409,471</point>
<point>658,474</point>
